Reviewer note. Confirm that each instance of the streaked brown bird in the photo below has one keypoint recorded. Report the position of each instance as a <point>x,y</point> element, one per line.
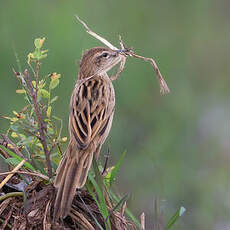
<point>90,119</point>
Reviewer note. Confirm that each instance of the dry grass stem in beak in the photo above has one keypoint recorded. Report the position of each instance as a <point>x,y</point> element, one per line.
<point>125,52</point>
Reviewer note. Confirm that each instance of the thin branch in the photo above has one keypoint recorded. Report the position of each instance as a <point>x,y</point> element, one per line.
<point>89,31</point>
<point>27,173</point>
<point>128,52</point>
<point>163,85</point>
<point>36,78</point>
<point>52,147</point>
<point>40,121</point>
<point>15,147</point>
<point>121,68</point>
<point>12,173</point>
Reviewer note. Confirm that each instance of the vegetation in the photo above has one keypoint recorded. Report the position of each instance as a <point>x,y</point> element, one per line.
<point>33,156</point>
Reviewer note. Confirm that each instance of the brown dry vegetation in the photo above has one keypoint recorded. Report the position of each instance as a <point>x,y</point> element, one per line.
<point>35,211</point>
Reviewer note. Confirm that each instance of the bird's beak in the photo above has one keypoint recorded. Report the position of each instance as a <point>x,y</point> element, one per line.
<point>116,52</point>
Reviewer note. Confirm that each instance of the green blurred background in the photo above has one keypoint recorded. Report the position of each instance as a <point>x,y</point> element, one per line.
<point>177,145</point>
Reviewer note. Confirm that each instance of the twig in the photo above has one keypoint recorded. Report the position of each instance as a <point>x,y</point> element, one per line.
<point>123,222</point>
<point>81,219</point>
<point>41,124</point>
<point>121,68</point>
<point>123,209</point>
<point>52,147</point>
<point>128,52</point>
<point>11,194</point>
<point>45,223</point>
<point>13,172</point>
<point>163,86</point>
<point>142,218</point>
<point>7,218</point>
<point>27,173</point>
<point>89,31</point>
<point>36,78</point>
<point>4,204</point>
<point>31,133</point>
<point>59,148</point>
<point>123,61</point>
<point>15,147</point>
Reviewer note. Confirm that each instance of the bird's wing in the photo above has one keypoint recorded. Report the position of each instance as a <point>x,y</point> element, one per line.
<point>91,108</point>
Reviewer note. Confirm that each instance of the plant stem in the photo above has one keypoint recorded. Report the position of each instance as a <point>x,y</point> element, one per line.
<point>36,78</point>
<point>40,121</point>
<point>8,195</point>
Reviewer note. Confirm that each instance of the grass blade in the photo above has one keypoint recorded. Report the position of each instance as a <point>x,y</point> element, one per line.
<point>14,155</point>
<point>91,214</point>
<point>175,217</point>
<point>127,211</point>
<point>99,187</point>
<point>119,203</point>
<point>116,168</point>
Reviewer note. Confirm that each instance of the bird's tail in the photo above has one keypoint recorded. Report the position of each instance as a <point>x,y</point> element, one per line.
<point>71,174</point>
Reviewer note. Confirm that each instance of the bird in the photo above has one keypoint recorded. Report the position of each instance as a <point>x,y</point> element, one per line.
<point>91,113</point>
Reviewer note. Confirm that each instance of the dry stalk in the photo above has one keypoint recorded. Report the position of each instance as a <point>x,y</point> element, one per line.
<point>81,219</point>
<point>123,220</point>
<point>89,31</point>
<point>27,173</point>
<point>142,218</point>
<point>128,52</point>
<point>7,219</point>
<point>12,173</point>
<point>46,224</point>
<point>4,204</point>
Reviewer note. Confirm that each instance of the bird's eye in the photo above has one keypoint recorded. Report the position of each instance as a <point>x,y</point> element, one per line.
<point>105,55</point>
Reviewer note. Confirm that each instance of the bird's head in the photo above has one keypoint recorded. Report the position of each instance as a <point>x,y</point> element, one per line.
<point>97,61</point>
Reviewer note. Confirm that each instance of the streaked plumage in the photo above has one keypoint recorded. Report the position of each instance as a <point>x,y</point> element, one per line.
<point>91,114</point>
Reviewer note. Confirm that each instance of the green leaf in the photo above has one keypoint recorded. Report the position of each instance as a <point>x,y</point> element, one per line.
<point>89,187</point>
<point>54,83</point>
<point>44,93</point>
<point>48,112</point>
<point>12,161</point>
<point>14,127</point>
<point>53,99</point>
<point>116,168</point>
<point>99,187</point>
<point>37,43</point>
<point>98,176</point>
<point>101,203</point>
<point>175,217</point>
<point>14,155</point>
<point>39,166</point>
<point>42,56</point>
